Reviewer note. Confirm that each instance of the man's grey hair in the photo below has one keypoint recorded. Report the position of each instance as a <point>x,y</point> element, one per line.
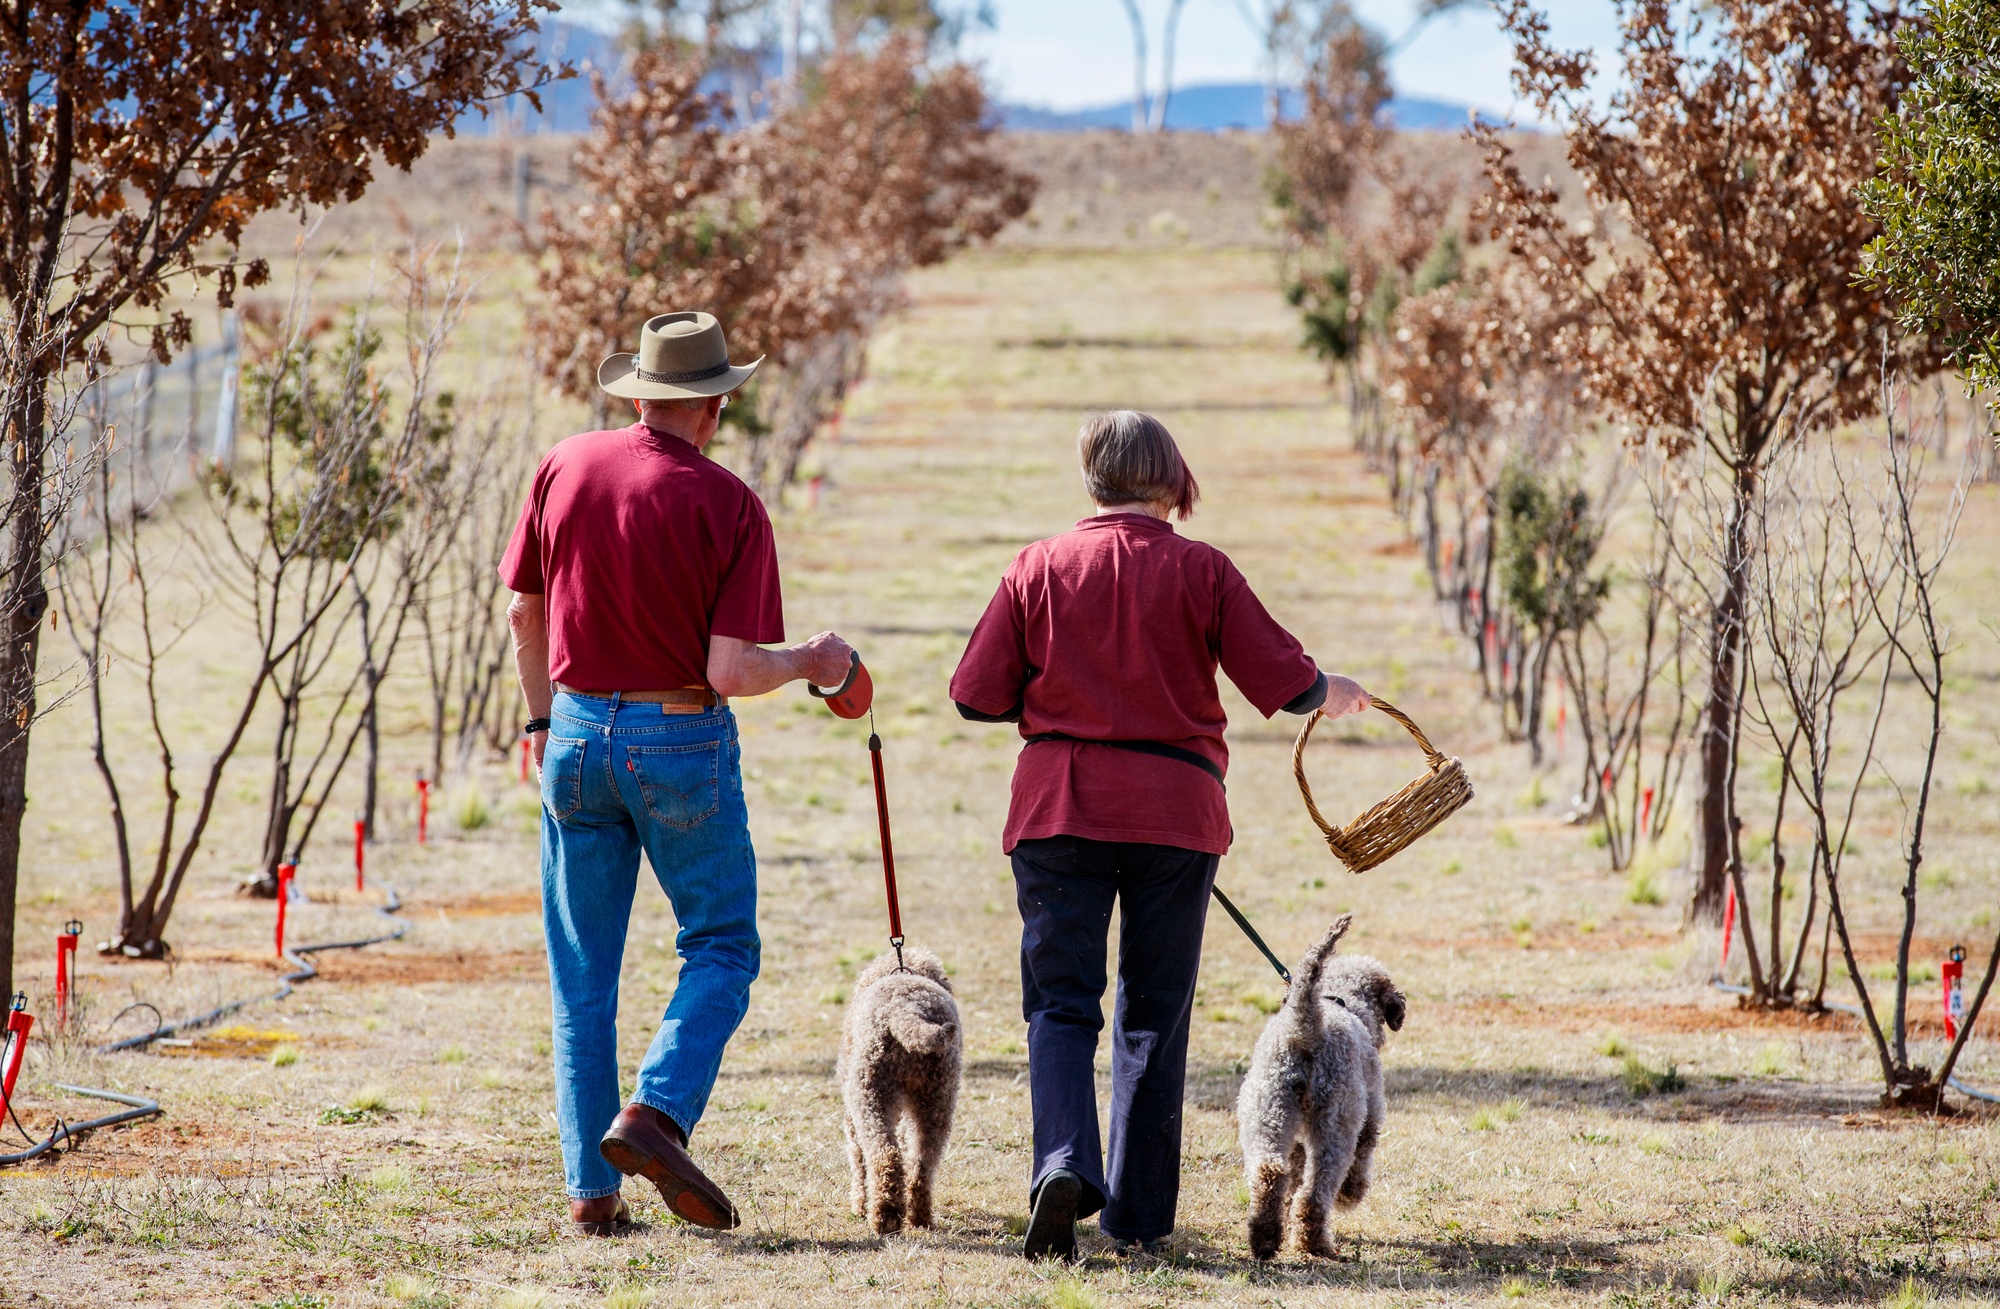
<point>1130,457</point>
<point>691,405</point>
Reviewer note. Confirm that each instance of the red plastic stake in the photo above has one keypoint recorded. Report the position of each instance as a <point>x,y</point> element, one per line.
<point>1646,809</point>
<point>65,964</point>
<point>1728,926</point>
<point>1562,724</point>
<point>423,809</point>
<point>285,874</point>
<point>360,858</point>
<point>19,1021</point>
<point>526,750</point>
<point>1954,992</point>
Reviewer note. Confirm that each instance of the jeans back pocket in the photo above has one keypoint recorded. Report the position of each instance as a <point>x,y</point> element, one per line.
<point>562,775</point>
<point>680,784</point>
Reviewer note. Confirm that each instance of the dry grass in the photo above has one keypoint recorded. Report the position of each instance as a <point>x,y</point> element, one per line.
<point>1536,1149</point>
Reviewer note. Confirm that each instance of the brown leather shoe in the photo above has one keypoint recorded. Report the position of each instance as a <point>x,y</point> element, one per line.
<point>643,1142</point>
<point>607,1215</point>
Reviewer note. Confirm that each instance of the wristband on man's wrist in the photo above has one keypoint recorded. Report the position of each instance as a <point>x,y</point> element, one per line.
<point>535,725</point>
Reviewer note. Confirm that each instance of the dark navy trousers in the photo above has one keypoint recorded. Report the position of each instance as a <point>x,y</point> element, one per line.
<point>1066,886</point>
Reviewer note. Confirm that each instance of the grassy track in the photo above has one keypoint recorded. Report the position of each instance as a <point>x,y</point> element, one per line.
<point>408,1155</point>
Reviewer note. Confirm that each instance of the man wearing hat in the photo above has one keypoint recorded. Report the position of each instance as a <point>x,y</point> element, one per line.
<point>646,587</point>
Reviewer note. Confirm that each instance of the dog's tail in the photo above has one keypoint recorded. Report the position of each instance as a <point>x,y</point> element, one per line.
<point>1305,982</point>
<point>923,1019</point>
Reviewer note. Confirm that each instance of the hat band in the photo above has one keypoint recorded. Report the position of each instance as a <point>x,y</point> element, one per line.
<point>687,375</point>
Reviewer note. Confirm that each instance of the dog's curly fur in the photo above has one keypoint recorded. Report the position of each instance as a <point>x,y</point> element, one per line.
<point>900,1058</point>
<point>1311,1107</point>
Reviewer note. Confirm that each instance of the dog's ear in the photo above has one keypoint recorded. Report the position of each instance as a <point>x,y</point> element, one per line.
<point>1391,1005</point>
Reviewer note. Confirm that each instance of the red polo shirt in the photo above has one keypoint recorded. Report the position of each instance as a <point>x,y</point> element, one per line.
<point>644,547</point>
<point>1114,632</point>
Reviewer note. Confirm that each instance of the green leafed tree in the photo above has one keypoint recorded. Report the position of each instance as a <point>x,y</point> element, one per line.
<point>1937,196</point>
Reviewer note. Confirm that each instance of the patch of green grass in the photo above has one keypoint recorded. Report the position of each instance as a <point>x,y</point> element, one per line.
<point>1522,925</point>
<point>1640,1079</point>
<point>389,1179</point>
<point>833,995</point>
<point>1714,1287</point>
<point>1644,886</point>
<point>1907,1296</point>
<point>1534,797</point>
<point>1770,1060</point>
<point>1503,836</point>
<point>1452,867</point>
<point>492,1079</point>
<point>632,1295</point>
<point>1017,1224</point>
<point>284,1056</point>
<point>1599,838</point>
<point>369,1100</point>
<point>523,1297</point>
<point>1514,1288</point>
<point>1263,1001</point>
<point>1652,1143</point>
<point>416,1292</point>
<point>1073,1295</point>
<point>1747,1232</point>
<point>452,1054</point>
<point>295,1300</point>
<point>1511,1111</point>
<point>1483,1120</point>
<point>469,809</point>
<point>1613,1047</point>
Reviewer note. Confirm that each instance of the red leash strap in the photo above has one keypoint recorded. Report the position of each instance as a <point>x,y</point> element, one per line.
<point>888,848</point>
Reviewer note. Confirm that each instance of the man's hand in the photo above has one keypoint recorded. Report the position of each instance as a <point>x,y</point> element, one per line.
<point>541,743</point>
<point>1343,696</point>
<point>737,667</point>
<point>828,659</point>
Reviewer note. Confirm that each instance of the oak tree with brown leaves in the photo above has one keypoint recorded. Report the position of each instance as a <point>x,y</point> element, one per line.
<point>793,230</point>
<point>139,137</point>
<point>1715,276</point>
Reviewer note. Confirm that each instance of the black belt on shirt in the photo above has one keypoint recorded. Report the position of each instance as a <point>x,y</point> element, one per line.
<point>1158,749</point>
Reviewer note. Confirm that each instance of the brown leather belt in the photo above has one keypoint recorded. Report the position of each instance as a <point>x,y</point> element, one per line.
<point>685,700</point>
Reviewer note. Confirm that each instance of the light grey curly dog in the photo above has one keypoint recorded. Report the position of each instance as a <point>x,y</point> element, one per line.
<point>899,1067</point>
<point>1311,1107</point>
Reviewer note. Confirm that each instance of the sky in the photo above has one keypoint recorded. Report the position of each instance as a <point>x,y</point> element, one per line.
<point>1070,54</point>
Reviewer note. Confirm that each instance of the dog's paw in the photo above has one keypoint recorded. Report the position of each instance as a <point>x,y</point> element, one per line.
<point>1265,1238</point>
<point>886,1221</point>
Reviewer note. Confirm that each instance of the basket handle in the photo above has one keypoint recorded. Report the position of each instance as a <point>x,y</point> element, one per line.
<point>1432,754</point>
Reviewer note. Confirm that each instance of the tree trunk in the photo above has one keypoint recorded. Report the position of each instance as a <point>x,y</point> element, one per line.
<point>1720,711</point>
<point>27,600</point>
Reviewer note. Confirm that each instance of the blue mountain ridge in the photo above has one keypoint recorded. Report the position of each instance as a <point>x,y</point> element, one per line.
<point>1214,107</point>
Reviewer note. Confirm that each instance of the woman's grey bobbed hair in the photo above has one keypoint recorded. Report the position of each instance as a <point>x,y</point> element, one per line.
<point>1130,457</point>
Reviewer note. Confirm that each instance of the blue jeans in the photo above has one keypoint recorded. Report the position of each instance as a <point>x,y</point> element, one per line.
<point>1066,887</point>
<point>618,778</point>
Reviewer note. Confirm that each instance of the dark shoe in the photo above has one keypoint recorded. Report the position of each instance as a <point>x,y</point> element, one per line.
<point>607,1215</point>
<point>1052,1229</point>
<point>643,1142</point>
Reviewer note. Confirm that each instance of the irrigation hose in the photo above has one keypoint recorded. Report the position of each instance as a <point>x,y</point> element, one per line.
<point>303,971</point>
<point>1972,1091</point>
<point>138,1107</point>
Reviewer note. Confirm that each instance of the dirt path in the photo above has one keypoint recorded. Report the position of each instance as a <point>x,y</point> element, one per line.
<point>408,1155</point>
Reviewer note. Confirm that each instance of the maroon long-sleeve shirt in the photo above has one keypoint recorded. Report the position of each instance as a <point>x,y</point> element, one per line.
<point>1114,631</point>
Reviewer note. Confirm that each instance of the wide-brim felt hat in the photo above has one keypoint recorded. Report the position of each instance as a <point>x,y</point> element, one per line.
<point>681,357</point>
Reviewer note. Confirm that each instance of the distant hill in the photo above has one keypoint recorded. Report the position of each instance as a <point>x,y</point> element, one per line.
<point>1216,107</point>
<point>1222,106</point>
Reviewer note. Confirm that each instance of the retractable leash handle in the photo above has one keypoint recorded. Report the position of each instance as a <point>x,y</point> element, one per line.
<point>854,696</point>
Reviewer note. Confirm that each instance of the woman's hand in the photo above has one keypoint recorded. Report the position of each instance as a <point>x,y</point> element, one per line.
<point>1343,696</point>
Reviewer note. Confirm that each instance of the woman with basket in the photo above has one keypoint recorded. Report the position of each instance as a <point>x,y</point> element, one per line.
<point>1103,644</point>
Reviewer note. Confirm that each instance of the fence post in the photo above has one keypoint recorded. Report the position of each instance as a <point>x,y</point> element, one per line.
<point>286,872</point>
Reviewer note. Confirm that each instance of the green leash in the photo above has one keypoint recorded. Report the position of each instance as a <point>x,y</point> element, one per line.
<point>1251,932</point>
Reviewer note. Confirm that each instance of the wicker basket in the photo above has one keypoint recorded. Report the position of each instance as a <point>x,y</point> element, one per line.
<point>1392,825</point>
